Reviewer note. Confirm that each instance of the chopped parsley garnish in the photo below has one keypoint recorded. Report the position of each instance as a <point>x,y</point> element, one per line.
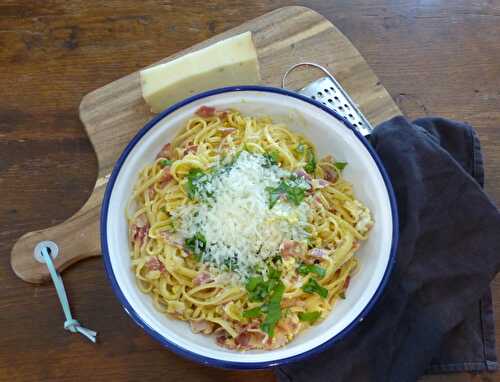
<point>273,310</point>
<point>304,269</point>
<point>340,165</point>
<point>252,313</point>
<point>309,316</point>
<point>312,286</point>
<point>293,188</point>
<point>274,195</point>
<point>277,259</point>
<point>231,263</point>
<point>191,185</point>
<point>310,166</point>
<point>259,289</point>
<point>271,158</point>
<point>271,292</point>
<point>197,245</point>
<point>166,162</point>
<point>196,184</point>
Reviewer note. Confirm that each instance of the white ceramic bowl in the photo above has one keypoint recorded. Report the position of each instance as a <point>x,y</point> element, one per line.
<point>332,135</point>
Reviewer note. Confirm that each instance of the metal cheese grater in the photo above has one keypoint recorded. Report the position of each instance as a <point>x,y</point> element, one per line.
<point>330,93</point>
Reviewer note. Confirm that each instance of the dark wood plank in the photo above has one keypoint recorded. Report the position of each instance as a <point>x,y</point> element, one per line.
<point>438,58</point>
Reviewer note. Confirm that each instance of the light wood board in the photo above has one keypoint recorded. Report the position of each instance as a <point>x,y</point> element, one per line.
<point>114,113</point>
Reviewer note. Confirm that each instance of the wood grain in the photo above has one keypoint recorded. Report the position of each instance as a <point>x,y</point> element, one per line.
<point>434,58</point>
<point>113,114</point>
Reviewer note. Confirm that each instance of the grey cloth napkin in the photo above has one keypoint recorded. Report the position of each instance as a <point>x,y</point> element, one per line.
<point>435,314</point>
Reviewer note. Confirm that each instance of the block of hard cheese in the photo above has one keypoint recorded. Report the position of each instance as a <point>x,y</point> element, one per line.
<point>228,62</point>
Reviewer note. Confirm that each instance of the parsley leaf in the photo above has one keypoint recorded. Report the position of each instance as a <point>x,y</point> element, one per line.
<point>312,286</point>
<point>309,316</point>
<point>166,162</point>
<point>191,185</point>
<point>271,158</point>
<point>274,195</point>
<point>252,313</point>
<point>253,282</point>
<point>197,245</point>
<point>257,288</point>
<point>310,166</point>
<point>295,195</point>
<point>293,188</point>
<point>340,165</point>
<point>273,310</point>
<point>304,269</point>
<point>270,291</point>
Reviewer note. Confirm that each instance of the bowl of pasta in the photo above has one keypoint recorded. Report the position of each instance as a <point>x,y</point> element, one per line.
<point>248,227</point>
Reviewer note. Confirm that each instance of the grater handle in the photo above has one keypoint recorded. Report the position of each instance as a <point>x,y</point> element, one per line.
<point>353,105</point>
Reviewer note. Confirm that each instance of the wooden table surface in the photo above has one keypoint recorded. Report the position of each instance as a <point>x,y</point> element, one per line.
<point>434,57</point>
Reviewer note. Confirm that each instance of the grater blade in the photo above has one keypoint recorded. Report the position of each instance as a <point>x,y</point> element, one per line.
<point>331,94</point>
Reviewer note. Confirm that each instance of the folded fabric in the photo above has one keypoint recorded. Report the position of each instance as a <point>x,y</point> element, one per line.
<point>448,253</point>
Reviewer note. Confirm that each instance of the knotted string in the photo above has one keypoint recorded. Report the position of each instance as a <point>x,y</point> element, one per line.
<point>70,324</point>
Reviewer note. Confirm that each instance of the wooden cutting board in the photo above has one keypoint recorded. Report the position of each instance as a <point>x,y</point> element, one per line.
<point>114,113</point>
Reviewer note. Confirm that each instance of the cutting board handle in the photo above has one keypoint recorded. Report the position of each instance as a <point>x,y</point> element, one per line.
<point>77,239</point>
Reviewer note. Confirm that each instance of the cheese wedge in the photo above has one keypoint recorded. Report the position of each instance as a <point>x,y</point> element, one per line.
<point>229,62</point>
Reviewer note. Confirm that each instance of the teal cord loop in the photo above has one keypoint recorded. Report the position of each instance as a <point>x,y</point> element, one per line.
<point>70,324</point>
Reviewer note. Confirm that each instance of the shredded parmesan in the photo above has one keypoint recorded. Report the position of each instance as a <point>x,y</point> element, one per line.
<point>236,221</point>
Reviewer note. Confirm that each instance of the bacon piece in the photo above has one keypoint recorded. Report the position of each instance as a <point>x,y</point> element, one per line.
<point>227,131</point>
<point>319,183</point>
<point>167,176</point>
<point>205,112</point>
<point>139,233</point>
<point>288,325</point>
<point>221,339</point>
<point>243,339</point>
<point>154,264</point>
<point>315,255</point>
<point>226,341</point>
<point>151,192</point>
<point>292,248</point>
<point>330,175</point>
<point>318,252</point>
<point>346,282</point>
<point>201,326</point>
<point>302,174</point>
<point>202,278</point>
<point>172,239</point>
<point>254,324</point>
<point>280,339</point>
<point>191,149</point>
<point>165,152</point>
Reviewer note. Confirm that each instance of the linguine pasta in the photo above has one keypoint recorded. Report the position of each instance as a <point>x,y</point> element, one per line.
<point>238,228</point>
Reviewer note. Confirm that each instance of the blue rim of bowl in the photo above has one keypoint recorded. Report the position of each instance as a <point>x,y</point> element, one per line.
<point>214,361</point>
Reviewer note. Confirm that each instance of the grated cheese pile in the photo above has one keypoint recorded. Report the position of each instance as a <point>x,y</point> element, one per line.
<point>240,229</point>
